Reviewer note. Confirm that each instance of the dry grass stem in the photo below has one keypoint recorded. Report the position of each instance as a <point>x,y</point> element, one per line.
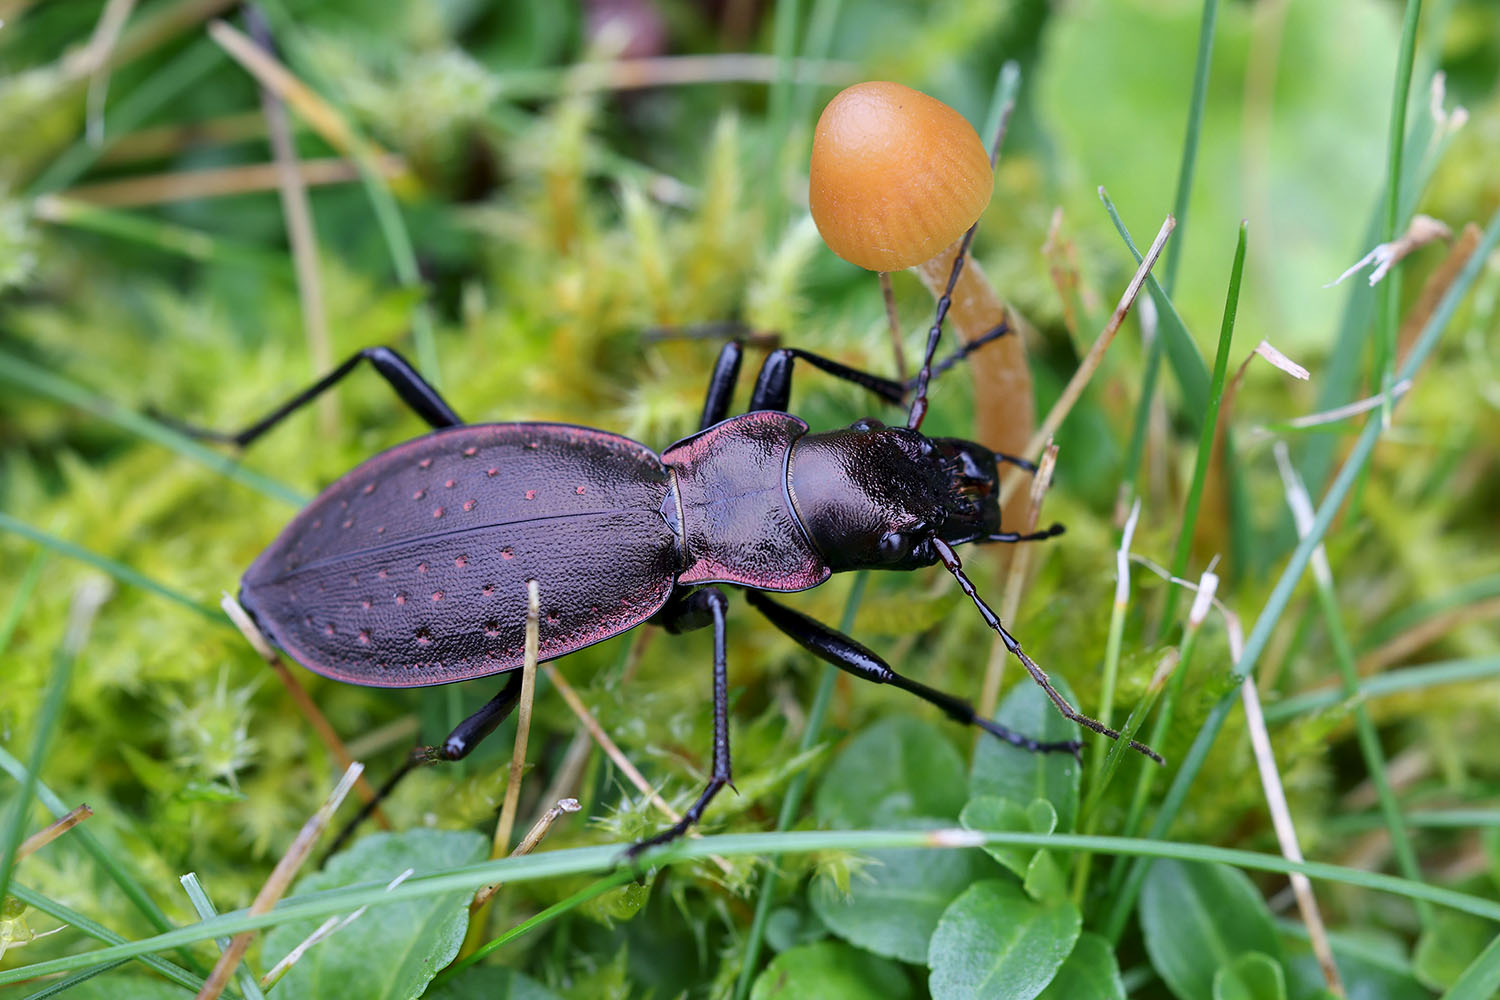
<point>1286,835</point>
<point>526,846</point>
<point>45,836</point>
<point>302,700</point>
<point>162,142</point>
<point>613,752</point>
<point>1404,645</point>
<point>1436,286</point>
<point>611,749</point>
<point>321,116</point>
<point>190,185</point>
<point>279,882</point>
<point>1093,358</point>
<point>296,211</point>
<point>523,721</point>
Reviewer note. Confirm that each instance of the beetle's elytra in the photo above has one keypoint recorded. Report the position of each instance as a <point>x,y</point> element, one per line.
<point>412,569</point>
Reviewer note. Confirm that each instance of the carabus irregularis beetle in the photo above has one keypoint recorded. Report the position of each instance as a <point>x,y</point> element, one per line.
<point>412,569</point>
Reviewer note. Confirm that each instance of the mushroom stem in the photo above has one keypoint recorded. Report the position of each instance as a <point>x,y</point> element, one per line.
<point>893,322</point>
<point>1005,413</point>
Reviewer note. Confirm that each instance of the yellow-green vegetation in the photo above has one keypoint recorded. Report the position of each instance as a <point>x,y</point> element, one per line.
<point>551,233</point>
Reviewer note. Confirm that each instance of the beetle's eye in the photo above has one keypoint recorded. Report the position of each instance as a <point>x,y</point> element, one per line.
<point>895,544</point>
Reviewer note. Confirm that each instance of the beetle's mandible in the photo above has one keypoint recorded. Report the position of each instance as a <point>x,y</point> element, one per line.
<point>412,568</point>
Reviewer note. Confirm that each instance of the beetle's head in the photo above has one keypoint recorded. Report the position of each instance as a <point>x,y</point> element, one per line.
<point>873,496</point>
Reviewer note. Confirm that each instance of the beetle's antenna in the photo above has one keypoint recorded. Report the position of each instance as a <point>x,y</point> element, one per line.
<point>919,403</point>
<point>955,566</point>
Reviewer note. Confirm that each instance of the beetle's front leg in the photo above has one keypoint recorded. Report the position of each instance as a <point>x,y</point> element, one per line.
<point>697,609</point>
<point>843,652</point>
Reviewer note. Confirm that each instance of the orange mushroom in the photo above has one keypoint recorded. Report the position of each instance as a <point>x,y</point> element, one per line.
<point>896,176</point>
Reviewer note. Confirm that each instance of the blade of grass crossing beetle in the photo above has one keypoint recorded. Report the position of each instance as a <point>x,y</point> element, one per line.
<point>605,858</point>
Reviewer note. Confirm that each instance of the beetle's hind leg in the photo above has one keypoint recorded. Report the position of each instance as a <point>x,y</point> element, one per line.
<point>696,610</point>
<point>849,655</point>
<point>467,735</point>
<point>415,391</point>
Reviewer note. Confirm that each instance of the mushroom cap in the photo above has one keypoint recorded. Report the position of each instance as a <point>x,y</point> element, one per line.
<point>896,176</point>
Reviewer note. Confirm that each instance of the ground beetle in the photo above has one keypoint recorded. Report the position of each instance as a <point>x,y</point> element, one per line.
<point>412,569</point>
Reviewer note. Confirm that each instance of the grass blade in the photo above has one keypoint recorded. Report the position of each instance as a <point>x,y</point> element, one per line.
<point>605,858</point>
<point>1182,352</point>
<point>90,595</point>
<point>1210,425</point>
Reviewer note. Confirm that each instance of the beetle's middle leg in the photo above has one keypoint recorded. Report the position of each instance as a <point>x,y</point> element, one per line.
<point>845,653</point>
<point>415,391</point>
<point>697,609</point>
<point>467,735</point>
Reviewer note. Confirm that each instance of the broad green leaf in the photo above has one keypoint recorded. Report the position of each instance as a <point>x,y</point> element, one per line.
<point>991,813</point>
<point>1447,946</point>
<point>1197,918</point>
<point>789,927</point>
<point>391,952</point>
<point>894,902</point>
<point>491,982</point>
<point>1090,973</point>
<point>1009,772</point>
<point>995,942</point>
<point>898,768</point>
<point>1251,976</point>
<point>831,970</point>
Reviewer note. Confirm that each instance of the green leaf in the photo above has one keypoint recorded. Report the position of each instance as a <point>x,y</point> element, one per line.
<point>391,952</point>
<point>491,982</point>
<point>1009,772</point>
<point>1044,880</point>
<point>830,970</point>
<point>1090,973</point>
<point>1197,918</point>
<point>900,767</point>
<point>1447,946</point>
<point>987,812</point>
<point>995,942</point>
<point>894,903</point>
<point>1251,976</point>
